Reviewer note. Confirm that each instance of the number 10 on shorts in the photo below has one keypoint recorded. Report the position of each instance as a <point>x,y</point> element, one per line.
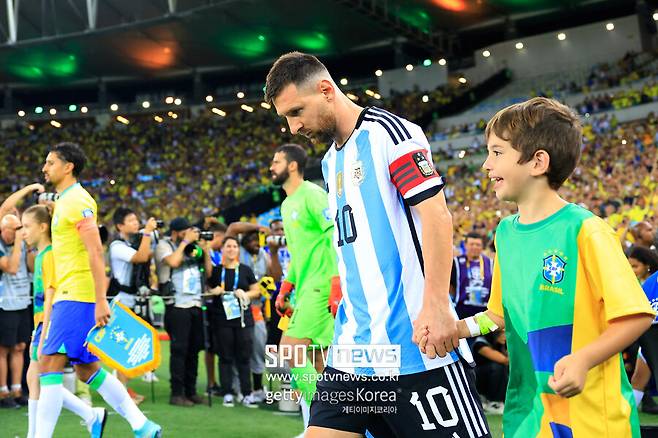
<point>430,397</point>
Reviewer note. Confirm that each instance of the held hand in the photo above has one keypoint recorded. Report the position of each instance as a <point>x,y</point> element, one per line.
<point>438,325</point>
<point>569,376</point>
<point>102,313</point>
<point>151,225</point>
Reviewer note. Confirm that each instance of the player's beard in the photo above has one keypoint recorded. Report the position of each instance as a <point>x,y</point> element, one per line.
<point>326,131</point>
<point>280,179</point>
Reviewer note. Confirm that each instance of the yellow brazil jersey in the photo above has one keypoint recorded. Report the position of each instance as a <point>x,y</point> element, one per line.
<point>558,283</point>
<point>72,270</point>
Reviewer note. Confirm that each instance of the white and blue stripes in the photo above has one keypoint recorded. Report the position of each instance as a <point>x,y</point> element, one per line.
<point>381,269</point>
<point>390,122</point>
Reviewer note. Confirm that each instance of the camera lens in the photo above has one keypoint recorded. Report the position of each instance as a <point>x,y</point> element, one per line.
<point>47,197</point>
<point>193,251</point>
<point>206,235</point>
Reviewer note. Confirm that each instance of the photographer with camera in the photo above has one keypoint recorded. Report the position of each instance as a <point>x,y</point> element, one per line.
<point>130,249</point>
<point>180,259</point>
<point>280,259</point>
<point>130,255</point>
<point>215,250</point>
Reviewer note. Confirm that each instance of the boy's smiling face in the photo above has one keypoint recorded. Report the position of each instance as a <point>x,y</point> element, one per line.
<point>510,179</point>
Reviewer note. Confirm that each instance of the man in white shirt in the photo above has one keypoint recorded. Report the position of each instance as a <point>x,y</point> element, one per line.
<point>123,256</point>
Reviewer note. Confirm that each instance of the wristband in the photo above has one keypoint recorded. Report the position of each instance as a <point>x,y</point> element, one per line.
<point>185,242</point>
<point>485,324</point>
<point>473,327</point>
<point>146,234</point>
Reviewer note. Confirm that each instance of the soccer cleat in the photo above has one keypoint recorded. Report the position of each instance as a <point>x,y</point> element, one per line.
<point>149,430</point>
<point>258,396</point>
<point>8,403</point>
<point>249,402</point>
<point>98,425</point>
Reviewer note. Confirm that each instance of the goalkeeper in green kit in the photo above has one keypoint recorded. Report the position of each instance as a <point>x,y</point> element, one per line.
<point>313,271</point>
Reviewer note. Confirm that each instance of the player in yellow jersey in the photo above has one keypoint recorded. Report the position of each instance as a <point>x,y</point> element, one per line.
<point>79,302</point>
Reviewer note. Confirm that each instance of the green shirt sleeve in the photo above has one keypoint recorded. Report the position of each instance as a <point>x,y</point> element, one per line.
<point>291,275</point>
<point>318,206</point>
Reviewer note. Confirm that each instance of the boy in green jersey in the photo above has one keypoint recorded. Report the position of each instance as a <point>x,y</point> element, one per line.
<point>561,288</point>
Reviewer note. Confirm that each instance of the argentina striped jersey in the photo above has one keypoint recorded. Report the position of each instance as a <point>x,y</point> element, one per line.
<point>374,180</point>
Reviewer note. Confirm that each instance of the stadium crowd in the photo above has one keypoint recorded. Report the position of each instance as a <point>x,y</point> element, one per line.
<point>190,169</point>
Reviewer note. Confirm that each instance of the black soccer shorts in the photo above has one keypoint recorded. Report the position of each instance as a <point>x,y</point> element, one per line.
<point>438,403</point>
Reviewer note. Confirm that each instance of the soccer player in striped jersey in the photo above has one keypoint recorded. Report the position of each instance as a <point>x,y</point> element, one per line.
<point>393,236</point>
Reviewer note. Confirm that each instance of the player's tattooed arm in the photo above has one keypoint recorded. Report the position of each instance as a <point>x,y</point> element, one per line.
<point>436,319</point>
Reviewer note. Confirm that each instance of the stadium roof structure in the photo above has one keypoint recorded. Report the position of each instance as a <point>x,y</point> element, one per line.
<point>51,42</point>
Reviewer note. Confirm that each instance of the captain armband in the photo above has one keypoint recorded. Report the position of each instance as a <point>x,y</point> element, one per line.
<point>480,324</point>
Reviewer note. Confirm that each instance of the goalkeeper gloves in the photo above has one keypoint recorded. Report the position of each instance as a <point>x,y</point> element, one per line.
<point>282,303</point>
<point>335,295</point>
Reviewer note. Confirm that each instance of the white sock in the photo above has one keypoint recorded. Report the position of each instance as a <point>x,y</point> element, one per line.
<point>306,411</point>
<point>638,396</point>
<point>4,388</point>
<point>50,403</point>
<point>32,417</point>
<point>116,395</point>
<point>78,407</point>
<point>16,387</point>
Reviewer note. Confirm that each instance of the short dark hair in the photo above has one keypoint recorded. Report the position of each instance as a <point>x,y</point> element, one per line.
<point>474,235</point>
<point>291,68</point>
<point>296,153</point>
<point>71,153</point>
<point>120,214</point>
<point>541,123</point>
<point>646,257</point>
<point>248,237</point>
<point>217,227</point>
